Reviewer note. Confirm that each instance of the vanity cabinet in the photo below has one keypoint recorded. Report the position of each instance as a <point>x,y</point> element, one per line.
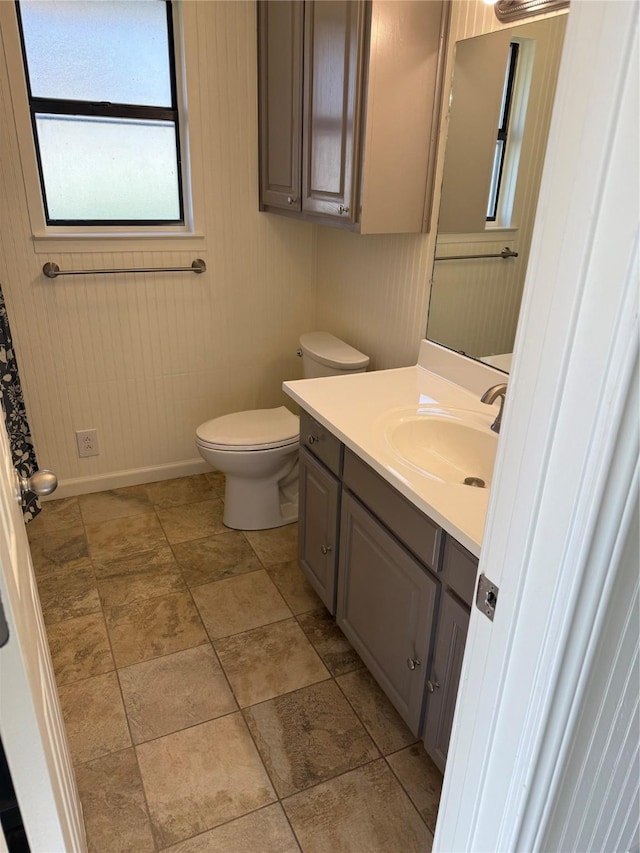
<point>349,102</point>
<point>399,586</point>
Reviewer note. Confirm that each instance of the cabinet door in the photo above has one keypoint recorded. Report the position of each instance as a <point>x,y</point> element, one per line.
<point>319,495</point>
<point>445,678</point>
<point>280,36</point>
<point>333,47</point>
<point>386,603</point>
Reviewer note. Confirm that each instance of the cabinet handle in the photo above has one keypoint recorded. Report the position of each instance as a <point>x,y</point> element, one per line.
<point>312,439</point>
<point>291,199</point>
<point>412,663</point>
<point>342,209</point>
<point>326,549</point>
<point>432,686</point>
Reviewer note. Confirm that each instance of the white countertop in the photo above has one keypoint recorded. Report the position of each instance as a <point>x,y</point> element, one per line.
<point>352,408</point>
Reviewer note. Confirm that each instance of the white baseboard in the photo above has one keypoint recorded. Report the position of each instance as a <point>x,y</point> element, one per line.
<point>132,477</point>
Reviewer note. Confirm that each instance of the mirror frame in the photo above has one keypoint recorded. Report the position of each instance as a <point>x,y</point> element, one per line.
<point>515,10</point>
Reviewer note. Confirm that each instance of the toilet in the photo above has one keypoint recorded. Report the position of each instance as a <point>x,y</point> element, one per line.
<point>257,450</point>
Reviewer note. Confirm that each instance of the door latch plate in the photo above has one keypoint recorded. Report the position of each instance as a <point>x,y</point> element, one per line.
<point>487,596</point>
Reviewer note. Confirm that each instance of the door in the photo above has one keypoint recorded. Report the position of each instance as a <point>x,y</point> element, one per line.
<point>386,603</point>
<point>319,493</point>
<point>333,43</point>
<point>280,102</point>
<point>31,725</point>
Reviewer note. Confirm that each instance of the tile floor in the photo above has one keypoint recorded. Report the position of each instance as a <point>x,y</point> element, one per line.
<point>210,702</point>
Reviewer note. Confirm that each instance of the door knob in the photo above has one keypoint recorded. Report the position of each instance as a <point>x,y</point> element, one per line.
<point>412,663</point>
<point>343,209</point>
<point>326,549</point>
<point>40,483</point>
<point>432,686</point>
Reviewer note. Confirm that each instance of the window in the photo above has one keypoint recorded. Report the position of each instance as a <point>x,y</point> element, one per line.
<point>503,129</point>
<point>102,96</point>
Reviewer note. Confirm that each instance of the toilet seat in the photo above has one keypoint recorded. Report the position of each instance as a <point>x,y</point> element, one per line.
<point>257,429</point>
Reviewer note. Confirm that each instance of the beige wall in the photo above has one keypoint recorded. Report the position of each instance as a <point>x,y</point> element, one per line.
<point>374,291</point>
<point>145,358</point>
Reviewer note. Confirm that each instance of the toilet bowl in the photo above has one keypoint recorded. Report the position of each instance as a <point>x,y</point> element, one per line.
<point>257,450</point>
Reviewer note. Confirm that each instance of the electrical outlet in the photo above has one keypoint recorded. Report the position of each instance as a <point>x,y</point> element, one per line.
<point>87,441</point>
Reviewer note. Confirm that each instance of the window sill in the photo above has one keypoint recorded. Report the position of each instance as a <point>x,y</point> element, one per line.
<point>113,241</point>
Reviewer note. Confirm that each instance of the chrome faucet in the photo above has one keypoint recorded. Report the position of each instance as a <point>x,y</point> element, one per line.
<point>490,396</point>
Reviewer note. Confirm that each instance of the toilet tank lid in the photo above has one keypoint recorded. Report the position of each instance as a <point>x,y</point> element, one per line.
<point>255,428</point>
<point>327,349</point>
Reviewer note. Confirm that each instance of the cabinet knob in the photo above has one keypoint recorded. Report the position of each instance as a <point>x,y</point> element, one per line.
<point>291,199</point>
<point>342,209</point>
<point>412,663</point>
<point>326,549</point>
<point>311,439</point>
<point>432,686</point>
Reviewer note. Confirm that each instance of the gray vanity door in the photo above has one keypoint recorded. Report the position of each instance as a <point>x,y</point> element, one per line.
<point>445,678</point>
<point>333,37</point>
<point>319,497</point>
<point>280,36</point>
<point>386,604</point>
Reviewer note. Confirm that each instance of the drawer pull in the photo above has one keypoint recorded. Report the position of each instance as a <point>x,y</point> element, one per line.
<point>326,549</point>
<point>312,439</point>
<point>412,663</point>
<point>432,686</point>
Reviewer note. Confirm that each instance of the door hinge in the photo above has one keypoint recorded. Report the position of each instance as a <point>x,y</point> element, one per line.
<point>487,596</point>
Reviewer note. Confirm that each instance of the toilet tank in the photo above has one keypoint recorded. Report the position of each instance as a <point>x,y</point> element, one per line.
<point>325,355</point>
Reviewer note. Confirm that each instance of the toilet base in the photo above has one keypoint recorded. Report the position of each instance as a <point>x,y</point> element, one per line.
<point>258,505</point>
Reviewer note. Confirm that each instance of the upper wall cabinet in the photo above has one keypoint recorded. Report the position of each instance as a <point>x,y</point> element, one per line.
<point>349,99</point>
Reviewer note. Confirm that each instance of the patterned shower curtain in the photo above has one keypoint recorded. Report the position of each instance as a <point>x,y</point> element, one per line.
<point>15,414</point>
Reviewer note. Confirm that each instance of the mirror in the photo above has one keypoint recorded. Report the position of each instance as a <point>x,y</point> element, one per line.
<point>500,110</point>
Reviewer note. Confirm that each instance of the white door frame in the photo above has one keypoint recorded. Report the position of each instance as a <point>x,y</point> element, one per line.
<point>568,455</point>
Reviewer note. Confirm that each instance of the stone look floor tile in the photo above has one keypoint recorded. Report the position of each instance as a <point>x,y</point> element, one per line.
<point>328,640</point>
<point>308,736</point>
<point>294,587</point>
<point>60,514</point>
<point>80,648</point>
<point>138,577</point>
<point>182,490</point>
<point>194,521</point>
<point>264,831</point>
<point>115,812</point>
<point>201,777</point>
<point>278,545</point>
<point>217,482</point>
<point>380,718</point>
<point>115,503</point>
<point>157,626</point>
<point>94,717</point>
<point>122,537</point>
<point>64,595</point>
<point>215,558</point>
<point>173,692</point>
<point>61,550</point>
<point>364,810</point>
<point>238,604</point>
<point>253,662</point>
<point>421,779</point>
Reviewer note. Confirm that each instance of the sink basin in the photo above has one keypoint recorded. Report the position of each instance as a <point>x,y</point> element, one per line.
<point>446,445</point>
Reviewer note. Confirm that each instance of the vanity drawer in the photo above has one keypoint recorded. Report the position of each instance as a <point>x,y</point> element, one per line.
<point>412,527</point>
<point>459,568</point>
<point>321,443</point>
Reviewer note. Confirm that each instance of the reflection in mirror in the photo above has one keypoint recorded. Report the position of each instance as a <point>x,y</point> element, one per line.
<point>500,109</point>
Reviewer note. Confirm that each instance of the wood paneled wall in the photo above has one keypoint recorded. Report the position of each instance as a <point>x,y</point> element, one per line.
<point>145,358</point>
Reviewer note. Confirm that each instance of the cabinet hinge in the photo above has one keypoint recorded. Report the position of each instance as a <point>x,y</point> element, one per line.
<point>487,596</point>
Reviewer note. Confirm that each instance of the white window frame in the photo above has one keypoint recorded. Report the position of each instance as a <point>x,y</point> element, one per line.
<point>99,238</point>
